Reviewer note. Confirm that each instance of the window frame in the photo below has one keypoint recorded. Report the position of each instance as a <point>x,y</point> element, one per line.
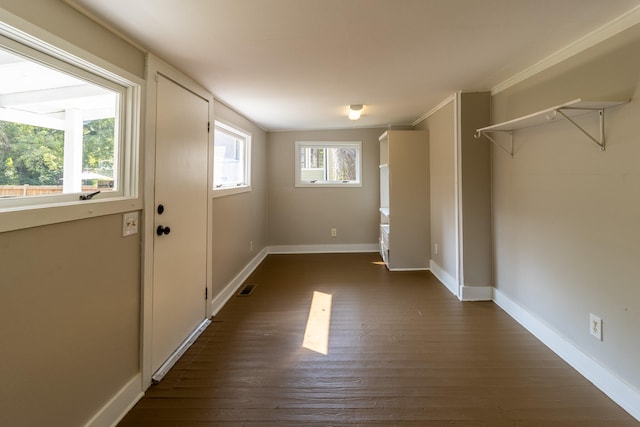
<point>27,212</point>
<point>246,136</point>
<point>323,145</point>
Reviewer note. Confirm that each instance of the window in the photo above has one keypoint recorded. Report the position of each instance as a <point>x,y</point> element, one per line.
<point>231,160</point>
<point>69,133</point>
<point>63,133</point>
<point>328,164</point>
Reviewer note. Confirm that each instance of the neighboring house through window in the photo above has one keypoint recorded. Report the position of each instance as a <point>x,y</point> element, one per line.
<point>328,164</point>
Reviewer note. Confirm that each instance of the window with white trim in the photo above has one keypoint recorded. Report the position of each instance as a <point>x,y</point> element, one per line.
<point>66,128</point>
<point>231,160</point>
<point>328,164</point>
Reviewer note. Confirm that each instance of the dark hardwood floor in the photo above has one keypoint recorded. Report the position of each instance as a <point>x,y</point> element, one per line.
<point>402,351</point>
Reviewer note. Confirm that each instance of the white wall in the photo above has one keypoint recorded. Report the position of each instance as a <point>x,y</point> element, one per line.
<point>565,214</point>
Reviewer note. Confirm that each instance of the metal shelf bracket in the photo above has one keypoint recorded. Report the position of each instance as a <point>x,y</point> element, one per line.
<point>487,134</point>
<point>600,141</point>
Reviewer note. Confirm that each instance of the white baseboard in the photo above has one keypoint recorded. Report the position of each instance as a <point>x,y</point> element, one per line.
<point>618,390</point>
<point>410,269</point>
<point>447,280</point>
<point>326,249</point>
<point>476,293</point>
<point>221,299</point>
<point>119,405</point>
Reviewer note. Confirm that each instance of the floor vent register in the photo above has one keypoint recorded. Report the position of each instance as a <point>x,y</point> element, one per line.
<point>246,290</point>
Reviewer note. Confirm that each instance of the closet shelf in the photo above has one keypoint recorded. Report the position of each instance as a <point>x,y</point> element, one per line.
<point>567,110</point>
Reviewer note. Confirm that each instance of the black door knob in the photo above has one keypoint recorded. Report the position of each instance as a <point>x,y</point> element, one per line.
<point>162,230</point>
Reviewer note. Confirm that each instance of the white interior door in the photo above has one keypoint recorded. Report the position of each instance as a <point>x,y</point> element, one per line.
<point>180,241</point>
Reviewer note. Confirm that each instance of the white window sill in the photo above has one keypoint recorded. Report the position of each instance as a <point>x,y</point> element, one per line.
<point>36,216</point>
<point>329,184</point>
<point>229,191</point>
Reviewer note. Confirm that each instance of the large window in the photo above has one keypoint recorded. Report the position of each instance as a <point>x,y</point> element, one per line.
<point>328,164</point>
<point>63,131</point>
<point>231,160</point>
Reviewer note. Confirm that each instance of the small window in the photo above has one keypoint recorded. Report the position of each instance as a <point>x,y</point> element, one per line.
<point>231,160</point>
<point>328,164</point>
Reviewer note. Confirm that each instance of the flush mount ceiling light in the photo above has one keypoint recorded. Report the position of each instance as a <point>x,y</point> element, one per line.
<point>354,111</point>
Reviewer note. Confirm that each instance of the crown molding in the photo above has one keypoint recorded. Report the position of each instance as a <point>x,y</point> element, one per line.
<point>608,30</point>
<point>425,116</point>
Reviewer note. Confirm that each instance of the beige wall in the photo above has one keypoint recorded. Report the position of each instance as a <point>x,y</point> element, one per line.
<point>305,216</point>
<point>70,292</point>
<point>442,167</point>
<point>240,218</point>
<point>70,320</point>
<point>566,215</point>
<point>475,190</point>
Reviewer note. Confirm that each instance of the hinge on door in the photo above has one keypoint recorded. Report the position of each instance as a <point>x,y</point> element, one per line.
<point>208,127</point>
<point>206,293</point>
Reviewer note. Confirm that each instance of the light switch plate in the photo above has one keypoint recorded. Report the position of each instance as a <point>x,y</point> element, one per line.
<point>129,223</point>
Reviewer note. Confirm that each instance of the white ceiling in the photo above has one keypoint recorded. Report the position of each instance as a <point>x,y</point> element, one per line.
<point>298,64</point>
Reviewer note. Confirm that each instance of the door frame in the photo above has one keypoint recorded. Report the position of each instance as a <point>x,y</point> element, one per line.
<point>156,66</point>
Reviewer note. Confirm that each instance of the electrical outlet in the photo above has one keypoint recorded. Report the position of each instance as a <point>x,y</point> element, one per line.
<point>334,232</point>
<point>595,326</point>
<point>129,223</point>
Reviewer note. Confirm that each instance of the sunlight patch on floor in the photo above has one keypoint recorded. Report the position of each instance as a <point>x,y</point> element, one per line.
<point>316,334</point>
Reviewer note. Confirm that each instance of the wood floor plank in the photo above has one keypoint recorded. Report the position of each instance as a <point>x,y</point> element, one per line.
<point>402,351</point>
